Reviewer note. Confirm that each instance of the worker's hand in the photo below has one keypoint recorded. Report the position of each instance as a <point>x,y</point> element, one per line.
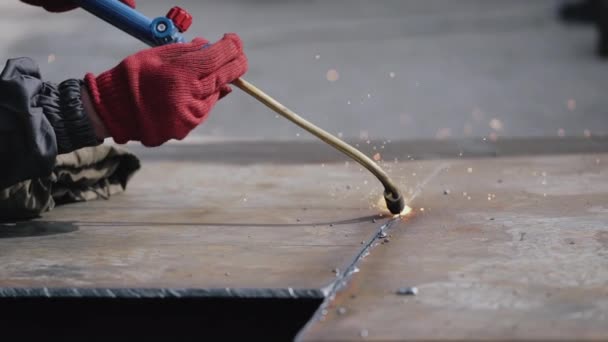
<point>163,93</point>
<point>64,5</point>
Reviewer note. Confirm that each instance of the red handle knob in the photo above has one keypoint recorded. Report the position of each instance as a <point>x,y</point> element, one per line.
<point>181,18</point>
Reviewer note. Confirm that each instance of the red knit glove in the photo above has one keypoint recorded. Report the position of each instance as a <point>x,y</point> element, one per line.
<point>163,93</point>
<point>64,5</point>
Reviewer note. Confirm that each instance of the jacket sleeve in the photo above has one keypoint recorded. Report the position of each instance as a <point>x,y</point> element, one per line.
<point>38,121</point>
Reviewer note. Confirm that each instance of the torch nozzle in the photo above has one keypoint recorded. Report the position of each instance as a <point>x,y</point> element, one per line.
<point>394,202</point>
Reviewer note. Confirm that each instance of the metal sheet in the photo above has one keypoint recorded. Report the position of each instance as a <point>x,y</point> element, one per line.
<point>188,228</point>
<point>314,151</point>
<point>504,249</point>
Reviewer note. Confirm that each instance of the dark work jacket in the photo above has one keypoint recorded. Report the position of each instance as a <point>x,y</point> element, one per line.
<point>38,121</point>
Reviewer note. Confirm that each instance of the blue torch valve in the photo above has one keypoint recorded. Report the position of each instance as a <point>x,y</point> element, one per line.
<point>154,32</point>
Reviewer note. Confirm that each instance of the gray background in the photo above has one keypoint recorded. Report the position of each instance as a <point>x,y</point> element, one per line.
<point>457,65</point>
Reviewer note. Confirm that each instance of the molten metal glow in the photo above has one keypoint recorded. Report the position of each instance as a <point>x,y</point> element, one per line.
<point>406,211</point>
<point>381,205</point>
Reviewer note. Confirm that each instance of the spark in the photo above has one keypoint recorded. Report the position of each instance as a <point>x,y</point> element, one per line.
<point>406,211</point>
<point>496,124</point>
<point>377,157</point>
<point>332,75</point>
<point>392,74</point>
<point>51,58</point>
<point>470,170</point>
<point>381,205</point>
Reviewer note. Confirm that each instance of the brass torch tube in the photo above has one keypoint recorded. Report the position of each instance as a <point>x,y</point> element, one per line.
<point>320,133</point>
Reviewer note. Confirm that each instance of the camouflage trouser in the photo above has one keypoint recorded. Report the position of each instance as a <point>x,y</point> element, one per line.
<point>84,175</point>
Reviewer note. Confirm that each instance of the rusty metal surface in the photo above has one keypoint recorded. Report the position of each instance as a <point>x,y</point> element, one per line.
<point>507,248</point>
<point>504,248</point>
<point>277,230</point>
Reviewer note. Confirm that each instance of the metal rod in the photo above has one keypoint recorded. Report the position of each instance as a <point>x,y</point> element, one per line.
<point>320,133</point>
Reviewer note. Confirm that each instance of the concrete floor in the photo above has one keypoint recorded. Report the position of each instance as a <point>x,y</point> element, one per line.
<point>457,65</point>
